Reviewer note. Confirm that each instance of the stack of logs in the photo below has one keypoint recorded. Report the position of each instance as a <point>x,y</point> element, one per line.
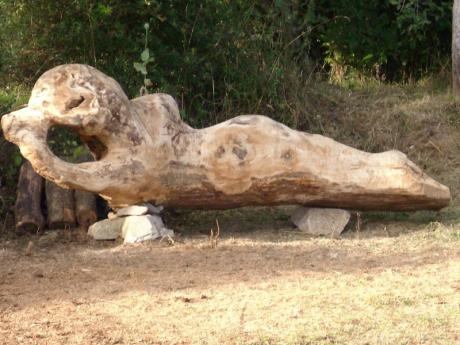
<point>65,208</point>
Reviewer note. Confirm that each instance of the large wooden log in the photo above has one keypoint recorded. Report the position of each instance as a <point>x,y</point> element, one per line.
<point>146,153</point>
<point>85,202</point>
<point>27,209</point>
<point>60,205</point>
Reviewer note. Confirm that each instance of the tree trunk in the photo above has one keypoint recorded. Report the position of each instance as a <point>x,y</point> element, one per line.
<point>27,210</point>
<point>85,208</point>
<point>146,153</point>
<point>61,206</point>
<point>456,48</point>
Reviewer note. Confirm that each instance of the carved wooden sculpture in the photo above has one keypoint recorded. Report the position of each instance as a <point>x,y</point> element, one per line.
<point>146,153</point>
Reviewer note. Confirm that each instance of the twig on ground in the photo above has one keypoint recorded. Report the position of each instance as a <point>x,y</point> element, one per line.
<point>29,249</point>
<point>169,239</point>
<point>214,237</point>
<point>358,224</point>
<point>436,147</point>
<point>218,231</point>
<point>386,231</point>
<point>242,317</point>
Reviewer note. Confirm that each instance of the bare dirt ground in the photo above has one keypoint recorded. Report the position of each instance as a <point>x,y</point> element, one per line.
<point>394,280</point>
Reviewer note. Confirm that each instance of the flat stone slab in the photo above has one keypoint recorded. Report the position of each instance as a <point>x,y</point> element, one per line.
<point>137,210</point>
<point>134,210</point>
<point>142,228</point>
<point>321,221</point>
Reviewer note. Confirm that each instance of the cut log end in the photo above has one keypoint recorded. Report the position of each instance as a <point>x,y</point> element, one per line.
<point>27,209</point>
<point>86,218</point>
<point>85,208</point>
<point>61,207</point>
<point>28,227</point>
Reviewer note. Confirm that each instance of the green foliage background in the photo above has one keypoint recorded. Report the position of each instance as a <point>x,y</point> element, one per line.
<point>221,57</point>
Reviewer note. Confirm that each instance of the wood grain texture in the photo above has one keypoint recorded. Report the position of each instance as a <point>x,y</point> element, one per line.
<point>60,205</point>
<point>27,209</point>
<point>85,208</point>
<point>146,153</point>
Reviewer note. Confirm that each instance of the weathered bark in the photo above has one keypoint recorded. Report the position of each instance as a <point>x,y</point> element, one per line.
<point>27,210</point>
<point>85,202</point>
<point>85,208</point>
<point>456,48</point>
<point>147,154</point>
<point>61,206</point>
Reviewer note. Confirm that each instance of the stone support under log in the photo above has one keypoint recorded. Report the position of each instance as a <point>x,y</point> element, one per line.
<point>146,153</point>
<point>321,221</point>
<point>136,223</point>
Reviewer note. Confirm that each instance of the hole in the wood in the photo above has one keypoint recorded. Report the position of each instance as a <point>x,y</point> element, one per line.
<point>74,102</point>
<point>97,148</point>
<point>67,145</point>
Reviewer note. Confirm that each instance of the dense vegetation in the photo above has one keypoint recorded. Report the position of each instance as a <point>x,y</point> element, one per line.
<point>223,57</point>
<point>220,58</point>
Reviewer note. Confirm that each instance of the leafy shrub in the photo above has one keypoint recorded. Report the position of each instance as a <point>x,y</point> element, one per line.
<point>390,39</point>
<point>221,58</point>
<point>217,58</point>
<point>10,158</point>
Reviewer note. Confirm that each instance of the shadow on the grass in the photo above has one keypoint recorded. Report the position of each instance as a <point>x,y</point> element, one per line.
<point>250,221</point>
<point>93,272</point>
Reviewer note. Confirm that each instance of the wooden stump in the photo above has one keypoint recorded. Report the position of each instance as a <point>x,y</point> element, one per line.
<point>28,211</point>
<point>61,206</point>
<point>85,208</point>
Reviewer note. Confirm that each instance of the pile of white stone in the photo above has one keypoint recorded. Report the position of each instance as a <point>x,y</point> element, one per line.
<point>133,224</point>
<point>142,222</point>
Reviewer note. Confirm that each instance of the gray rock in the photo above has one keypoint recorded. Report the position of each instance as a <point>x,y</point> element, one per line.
<point>107,229</point>
<point>154,209</point>
<point>321,221</point>
<point>144,227</point>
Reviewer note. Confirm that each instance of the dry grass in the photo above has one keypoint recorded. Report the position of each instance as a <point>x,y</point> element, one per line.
<point>391,283</point>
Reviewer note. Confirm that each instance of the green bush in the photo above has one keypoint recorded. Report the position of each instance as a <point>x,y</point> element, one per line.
<point>220,58</point>
<point>390,39</point>
<point>215,57</point>
<point>10,158</point>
